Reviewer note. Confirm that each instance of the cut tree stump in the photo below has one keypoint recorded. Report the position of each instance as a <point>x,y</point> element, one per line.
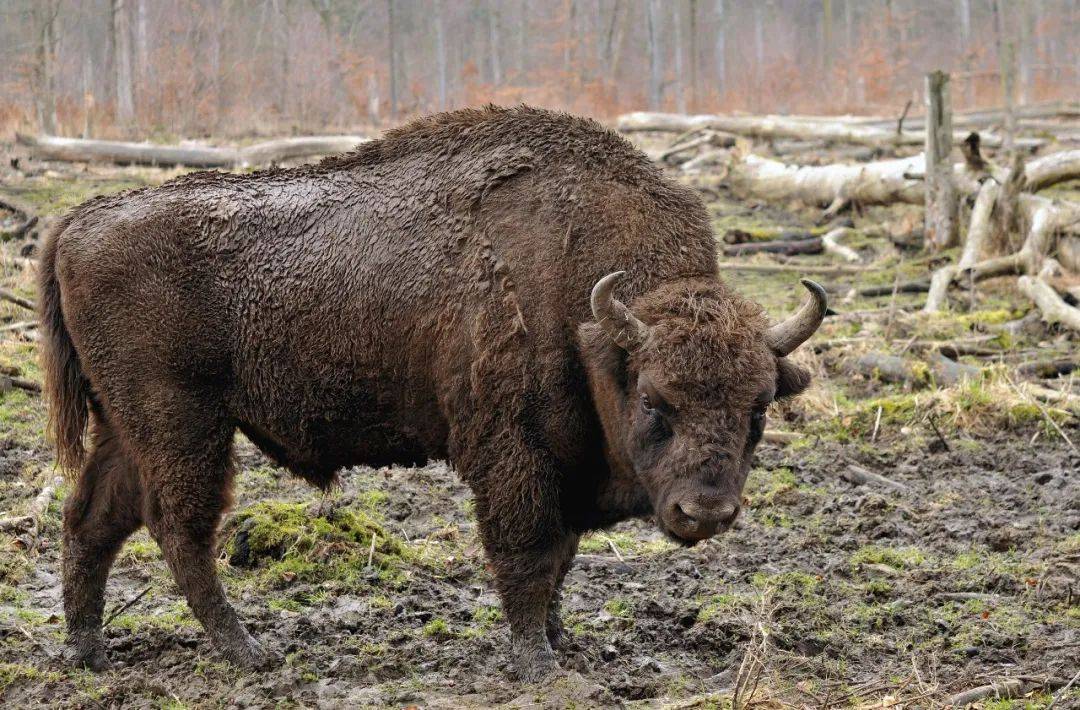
<point>941,198</point>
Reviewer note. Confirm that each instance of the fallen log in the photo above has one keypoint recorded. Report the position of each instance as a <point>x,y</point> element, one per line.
<point>123,153</point>
<point>977,244</point>
<point>1051,169</point>
<point>798,268</point>
<point>859,476</point>
<point>831,243</point>
<point>19,383</point>
<point>18,300</point>
<point>787,247</point>
<point>28,527</point>
<point>1053,307</point>
<point>1047,369</point>
<point>21,209</point>
<point>913,286</point>
<point>938,370</point>
<point>770,127</point>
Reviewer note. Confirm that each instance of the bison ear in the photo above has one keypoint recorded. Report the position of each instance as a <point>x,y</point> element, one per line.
<point>791,379</point>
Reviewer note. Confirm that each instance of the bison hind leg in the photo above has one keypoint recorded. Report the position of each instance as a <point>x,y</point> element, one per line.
<point>99,515</point>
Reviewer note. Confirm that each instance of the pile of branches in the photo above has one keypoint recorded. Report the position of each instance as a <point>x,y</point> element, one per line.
<point>1012,231</point>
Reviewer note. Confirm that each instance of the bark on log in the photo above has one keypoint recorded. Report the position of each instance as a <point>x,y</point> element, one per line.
<point>798,128</point>
<point>1054,309</point>
<point>18,300</point>
<point>892,368</point>
<point>941,197</point>
<point>122,153</point>
<point>787,247</point>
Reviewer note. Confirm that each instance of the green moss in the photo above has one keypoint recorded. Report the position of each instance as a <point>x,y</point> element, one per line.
<point>620,608</point>
<point>438,628</point>
<point>897,557</point>
<point>12,673</point>
<point>719,606</point>
<point>292,544</point>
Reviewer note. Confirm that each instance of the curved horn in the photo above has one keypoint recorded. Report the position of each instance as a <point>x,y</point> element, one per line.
<point>614,317</point>
<point>796,330</point>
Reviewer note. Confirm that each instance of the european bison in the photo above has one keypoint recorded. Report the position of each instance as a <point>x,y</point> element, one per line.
<point>426,296</point>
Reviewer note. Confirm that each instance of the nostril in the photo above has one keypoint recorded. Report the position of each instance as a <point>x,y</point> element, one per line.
<point>680,512</point>
<point>727,513</point>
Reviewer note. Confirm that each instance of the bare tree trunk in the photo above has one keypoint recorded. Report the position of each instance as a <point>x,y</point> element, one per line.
<point>680,93</point>
<point>941,200</point>
<point>693,11</point>
<point>656,75</point>
<point>391,33</point>
<point>721,48</point>
<point>440,50</point>
<point>121,30</point>
<point>45,14</point>
<point>493,21</point>
<point>1007,61</point>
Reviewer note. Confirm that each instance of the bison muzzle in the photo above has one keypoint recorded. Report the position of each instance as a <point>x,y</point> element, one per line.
<point>519,292</point>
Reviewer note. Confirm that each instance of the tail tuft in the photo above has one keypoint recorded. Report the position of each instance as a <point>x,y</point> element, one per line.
<point>66,389</point>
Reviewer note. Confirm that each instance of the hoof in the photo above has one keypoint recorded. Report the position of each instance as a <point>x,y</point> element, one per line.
<point>534,662</point>
<point>252,656</point>
<point>91,657</point>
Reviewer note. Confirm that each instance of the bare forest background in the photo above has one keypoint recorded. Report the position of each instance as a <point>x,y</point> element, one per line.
<point>138,68</point>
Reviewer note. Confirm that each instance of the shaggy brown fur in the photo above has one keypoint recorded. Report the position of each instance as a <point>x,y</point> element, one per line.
<point>426,296</point>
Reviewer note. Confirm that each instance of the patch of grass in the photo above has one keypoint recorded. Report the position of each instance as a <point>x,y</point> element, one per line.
<point>720,605</point>
<point>619,608</point>
<point>290,543</point>
<point>439,629</point>
<point>896,557</point>
<point>12,673</point>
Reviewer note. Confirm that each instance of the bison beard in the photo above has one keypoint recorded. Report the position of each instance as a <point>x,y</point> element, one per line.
<point>425,296</point>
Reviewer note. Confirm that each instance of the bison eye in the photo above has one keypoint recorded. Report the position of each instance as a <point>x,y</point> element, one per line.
<point>646,404</point>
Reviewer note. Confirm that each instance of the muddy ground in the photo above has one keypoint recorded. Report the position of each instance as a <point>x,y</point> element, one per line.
<point>962,568</point>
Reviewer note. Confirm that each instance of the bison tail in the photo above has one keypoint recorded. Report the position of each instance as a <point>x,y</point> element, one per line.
<point>66,390</point>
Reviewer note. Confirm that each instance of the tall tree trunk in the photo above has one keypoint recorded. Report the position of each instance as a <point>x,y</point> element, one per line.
<point>720,48</point>
<point>1007,61</point>
<point>440,50</point>
<point>494,30</point>
<point>693,11</point>
<point>656,69</point>
<point>680,88</point>
<point>391,43</point>
<point>121,30</point>
<point>45,14</point>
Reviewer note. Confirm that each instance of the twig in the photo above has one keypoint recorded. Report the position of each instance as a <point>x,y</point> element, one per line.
<point>1061,693</point>
<point>877,419</point>
<point>127,606</point>
<point>18,300</point>
<point>937,432</point>
<point>611,544</point>
<point>371,550</point>
<point>900,121</point>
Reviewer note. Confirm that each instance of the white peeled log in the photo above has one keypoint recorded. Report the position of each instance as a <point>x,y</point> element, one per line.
<point>831,242</point>
<point>125,153</point>
<point>1051,169</point>
<point>1054,309</point>
<point>978,237</point>
<point>879,182</point>
<point>836,130</point>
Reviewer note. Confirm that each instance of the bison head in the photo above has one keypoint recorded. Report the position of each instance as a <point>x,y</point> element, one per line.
<point>681,385</point>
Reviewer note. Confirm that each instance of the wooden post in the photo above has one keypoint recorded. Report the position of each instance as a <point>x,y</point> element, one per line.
<point>941,202</point>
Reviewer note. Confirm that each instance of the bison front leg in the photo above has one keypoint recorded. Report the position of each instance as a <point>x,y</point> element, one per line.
<point>555,629</point>
<point>527,581</point>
